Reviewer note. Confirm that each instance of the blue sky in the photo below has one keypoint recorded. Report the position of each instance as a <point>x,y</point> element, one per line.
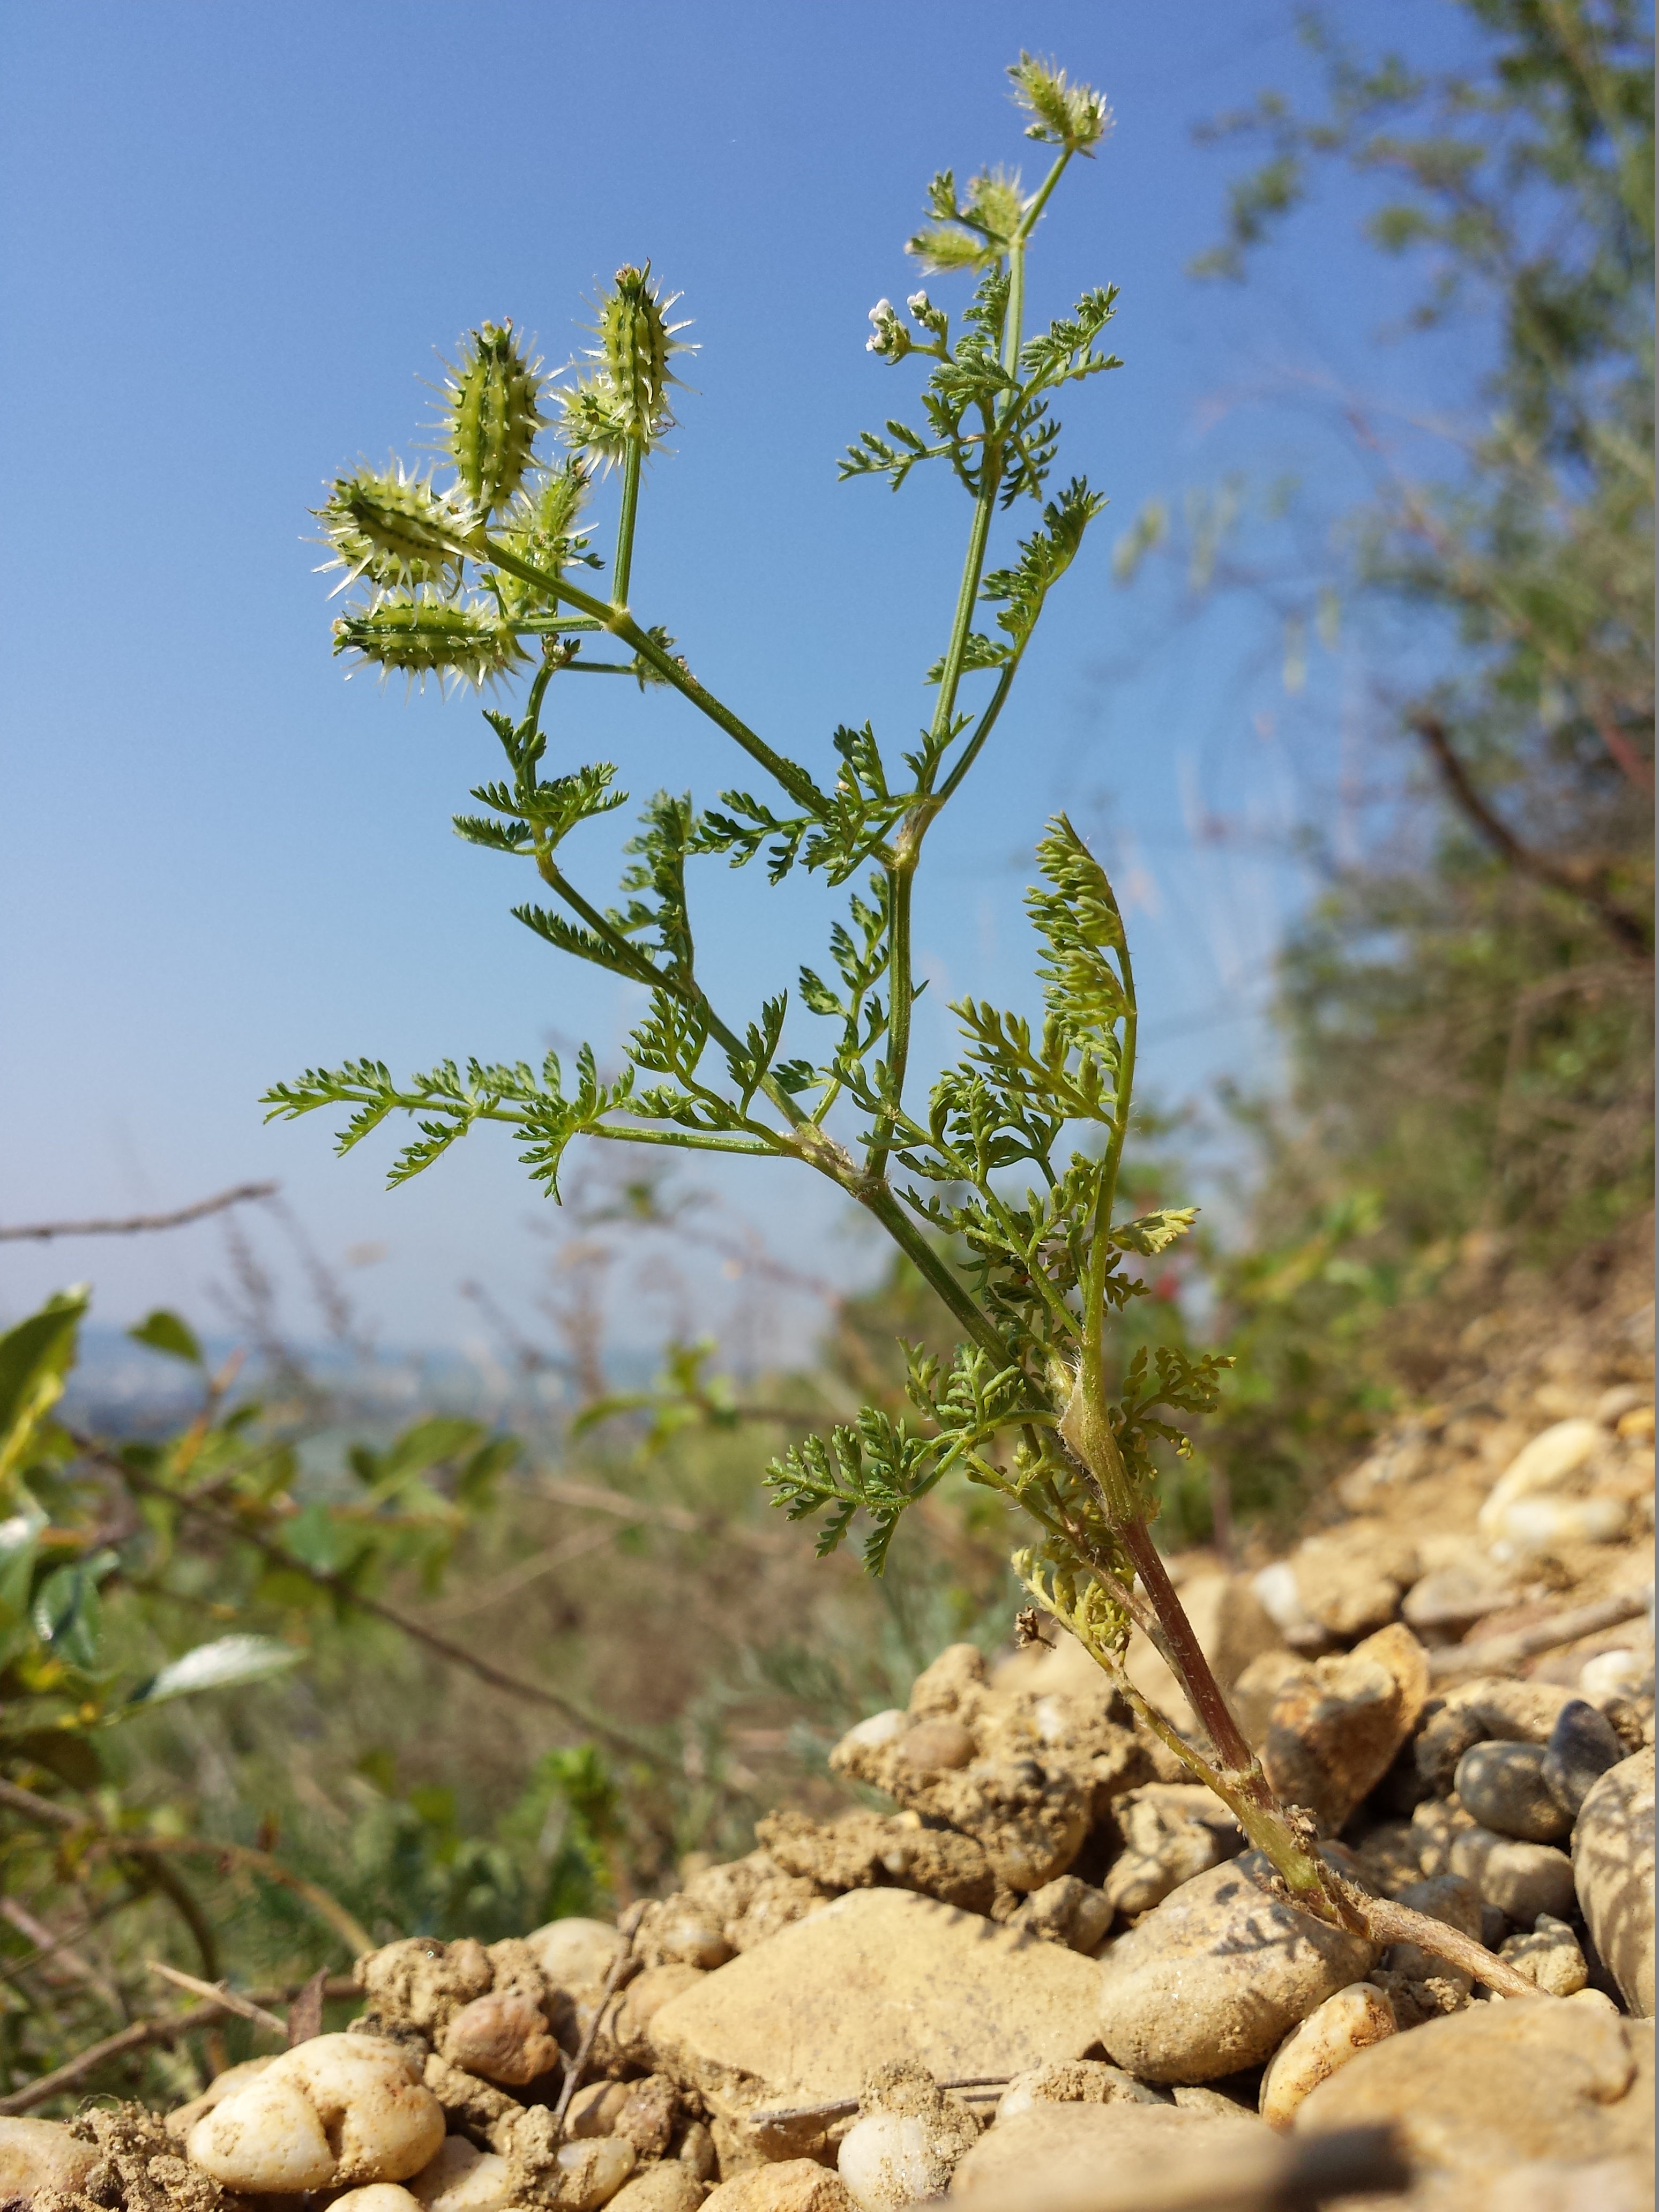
<point>233,237</point>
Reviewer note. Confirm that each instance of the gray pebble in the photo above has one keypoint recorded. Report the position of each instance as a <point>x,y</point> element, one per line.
<point>1502,1786</point>
<point>1582,1745</point>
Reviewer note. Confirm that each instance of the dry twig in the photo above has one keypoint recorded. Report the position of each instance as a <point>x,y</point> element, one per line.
<point>41,1232</point>
<point>245,2008</point>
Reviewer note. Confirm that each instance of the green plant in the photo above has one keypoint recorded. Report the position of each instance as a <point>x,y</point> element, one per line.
<point>461,579</point>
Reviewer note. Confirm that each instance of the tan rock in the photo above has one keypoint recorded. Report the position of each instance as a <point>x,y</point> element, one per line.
<point>863,1851</point>
<point>593,2110</point>
<point>794,2185</point>
<point>1171,1831</point>
<point>1259,1689</point>
<point>667,2186</point>
<point>1612,1859</point>
<point>462,2179</point>
<point>40,2154</point>
<point>1057,2151</point>
<point>1075,2082</point>
<point>591,2173</point>
<point>1333,1737</point>
<point>503,2037</point>
<point>379,2196</point>
<point>1066,1911</point>
<point>1548,1956</point>
<point>181,2121</point>
<point>1522,1880</point>
<point>338,2109</point>
<point>1542,1465</point>
<point>1351,1577</point>
<point>879,1976</point>
<point>1498,2085</point>
<point>642,2000</point>
<point>1343,2026</point>
<point>424,1981</point>
<point>575,1954</point>
<point>1216,1978</point>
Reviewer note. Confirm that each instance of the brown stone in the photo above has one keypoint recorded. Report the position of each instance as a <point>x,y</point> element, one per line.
<point>1334,1734</point>
<point>1613,1868</point>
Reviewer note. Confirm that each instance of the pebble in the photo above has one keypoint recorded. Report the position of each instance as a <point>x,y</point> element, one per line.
<point>1522,1880</point>
<point>936,1747</point>
<point>1502,1786</point>
<point>907,2141</point>
<point>667,2186</point>
<point>1352,1579</point>
<point>40,2154</point>
<point>1613,1865</point>
<point>1067,1911</point>
<point>1436,1827</point>
<point>1542,1465</point>
<point>793,2184</point>
<point>1075,2082</point>
<point>1275,1586</point>
<point>1535,1525</point>
<point>1490,2088</point>
<point>591,2173</point>
<point>1612,1676</point>
<point>1549,1955</point>
<point>1488,1710</point>
<point>1452,1599</point>
<point>575,1954</point>
<point>1333,1736</point>
<point>462,2179</point>
<point>1582,1745</point>
<point>1171,1831</point>
<point>1216,1978</point>
<point>1345,2025</point>
<point>1059,2153</point>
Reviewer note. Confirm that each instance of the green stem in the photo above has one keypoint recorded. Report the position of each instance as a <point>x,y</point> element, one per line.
<point>878,1199</point>
<point>795,780</point>
<point>622,567</point>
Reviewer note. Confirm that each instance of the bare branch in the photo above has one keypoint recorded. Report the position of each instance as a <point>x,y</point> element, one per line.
<point>1588,885</point>
<point>134,1224</point>
<point>245,2008</point>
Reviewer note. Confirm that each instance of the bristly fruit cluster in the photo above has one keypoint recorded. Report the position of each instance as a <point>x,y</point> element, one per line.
<point>1003,1187</point>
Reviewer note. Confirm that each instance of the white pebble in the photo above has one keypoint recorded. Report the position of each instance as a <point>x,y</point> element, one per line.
<point>1339,2030</point>
<point>888,2159</point>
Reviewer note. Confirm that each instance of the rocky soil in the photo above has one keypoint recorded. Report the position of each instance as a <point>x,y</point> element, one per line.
<point>1032,1964</point>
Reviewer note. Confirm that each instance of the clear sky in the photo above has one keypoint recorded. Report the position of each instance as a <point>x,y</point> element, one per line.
<point>234,236</point>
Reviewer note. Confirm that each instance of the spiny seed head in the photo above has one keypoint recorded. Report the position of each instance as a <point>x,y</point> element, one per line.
<point>395,529</point>
<point>540,527</point>
<point>625,400</point>
<point>491,416</point>
<point>1074,116</point>
<point>467,643</point>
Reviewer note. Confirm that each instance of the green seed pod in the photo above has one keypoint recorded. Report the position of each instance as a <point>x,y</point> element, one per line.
<point>492,415</point>
<point>626,400</point>
<point>541,529</point>
<point>450,639</point>
<point>395,529</point>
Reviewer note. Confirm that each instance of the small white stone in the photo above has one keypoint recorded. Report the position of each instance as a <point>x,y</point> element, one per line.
<point>575,1954</point>
<point>879,1729</point>
<point>1543,1464</point>
<point>889,2160</point>
<point>379,2196</point>
<point>1532,1525</point>
<point>1611,1676</point>
<point>1276,1588</point>
<point>1343,2025</point>
<point>462,2179</point>
<point>591,2173</point>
